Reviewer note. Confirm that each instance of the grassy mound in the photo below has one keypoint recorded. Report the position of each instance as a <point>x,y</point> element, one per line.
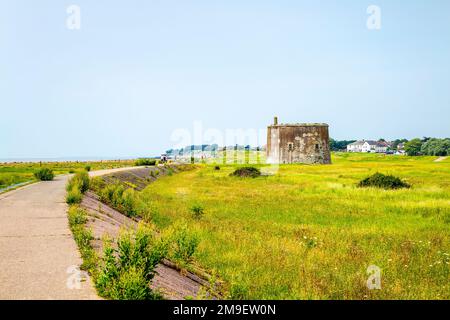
<point>379,180</point>
<point>44,174</point>
<point>247,172</point>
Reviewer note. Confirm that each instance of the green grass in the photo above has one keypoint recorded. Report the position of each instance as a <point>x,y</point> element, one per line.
<point>14,173</point>
<point>308,232</point>
<point>77,221</point>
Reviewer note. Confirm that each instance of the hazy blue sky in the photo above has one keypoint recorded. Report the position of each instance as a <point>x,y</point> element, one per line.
<point>137,70</point>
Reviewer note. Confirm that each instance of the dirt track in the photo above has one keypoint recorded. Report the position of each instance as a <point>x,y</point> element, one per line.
<point>36,245</point>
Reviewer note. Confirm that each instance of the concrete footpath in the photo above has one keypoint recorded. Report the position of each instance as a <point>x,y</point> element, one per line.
<point>38,255</point>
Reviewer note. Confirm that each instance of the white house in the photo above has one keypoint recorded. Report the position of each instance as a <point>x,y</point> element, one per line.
<point>368,146</point>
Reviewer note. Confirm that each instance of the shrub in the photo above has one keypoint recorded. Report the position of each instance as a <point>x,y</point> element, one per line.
<point>131,284</point>
<point>97,184</point>
<point>183,243</point>
<point>128,202</point>
<point>74,196</point>
<point>77,216</point>
<point>87,168</point>
<point>247,172</point>
<point>216,168</point>
<point>79,180</point>
<point>145,162</point>
<point>127,271</point>
<point>197,211</point>
<point>44,174</point>
<point>124,200</point>
<point>379,180</point>
<point>83,237</point>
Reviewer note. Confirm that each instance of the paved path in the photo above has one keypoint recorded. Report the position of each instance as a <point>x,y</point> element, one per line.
<point>36,244</point>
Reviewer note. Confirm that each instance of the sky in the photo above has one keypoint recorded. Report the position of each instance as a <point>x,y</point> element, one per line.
<point>137,72</point>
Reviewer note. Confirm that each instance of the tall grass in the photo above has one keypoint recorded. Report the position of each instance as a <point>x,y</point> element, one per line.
<point>308,232</point>
<point>83,236</point>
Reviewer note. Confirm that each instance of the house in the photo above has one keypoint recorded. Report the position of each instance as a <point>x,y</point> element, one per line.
<point>368,146</point>
<point>382,146</point>
<point>400,149</point>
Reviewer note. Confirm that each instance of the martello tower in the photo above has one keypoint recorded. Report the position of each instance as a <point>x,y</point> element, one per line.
<point>298,143</point>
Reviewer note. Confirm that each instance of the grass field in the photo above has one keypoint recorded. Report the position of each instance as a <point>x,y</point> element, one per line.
<point>307,232</point>
<point>19,172</point>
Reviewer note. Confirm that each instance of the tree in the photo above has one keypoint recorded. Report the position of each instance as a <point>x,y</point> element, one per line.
<point>436,147</point>
<point>413,147</point>
<point>336,145</point>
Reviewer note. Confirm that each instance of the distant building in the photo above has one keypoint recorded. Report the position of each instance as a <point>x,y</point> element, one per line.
<point>368,146</point>
<point>298,143</point>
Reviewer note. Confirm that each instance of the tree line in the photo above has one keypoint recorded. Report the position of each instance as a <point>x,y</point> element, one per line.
<point>428,146</point>
<point>415,147</point>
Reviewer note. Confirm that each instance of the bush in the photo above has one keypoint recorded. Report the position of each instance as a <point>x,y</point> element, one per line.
<point>74,196</point>
<point>79,180</point>
<point>183,243</point>
<point>83,237</point>
<point>197,211</point>
<point>127,271</point>
<point>87,168</point>
<point>379,180</point>
<point>44,174</point>
<point>145,162</point>
<point>216,168</point>
<point>97,184</point>
<point>124,200</point>
<point>77,216</point>
<point>247,172</point>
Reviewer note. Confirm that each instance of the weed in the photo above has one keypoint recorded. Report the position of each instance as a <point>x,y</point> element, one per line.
<point>127,271</point>
<point>197,211</point>
<point>44,174</point>
<point>74,196</point>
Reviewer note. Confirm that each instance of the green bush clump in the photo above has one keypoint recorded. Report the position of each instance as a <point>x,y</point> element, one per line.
<point>197,211</point>
<point>96,184</point>
<point>145,162</point>
<point>44,174</point>
<point>124,200</point>
<point>126,272</point>
<point>87,168</point>
<point>80,180</point>
<point>379,180</point>
<point>77,220</point>
<point>74,196</point>
<point>182,243</point>
<point>247,172</point>
<point>76,186</point>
